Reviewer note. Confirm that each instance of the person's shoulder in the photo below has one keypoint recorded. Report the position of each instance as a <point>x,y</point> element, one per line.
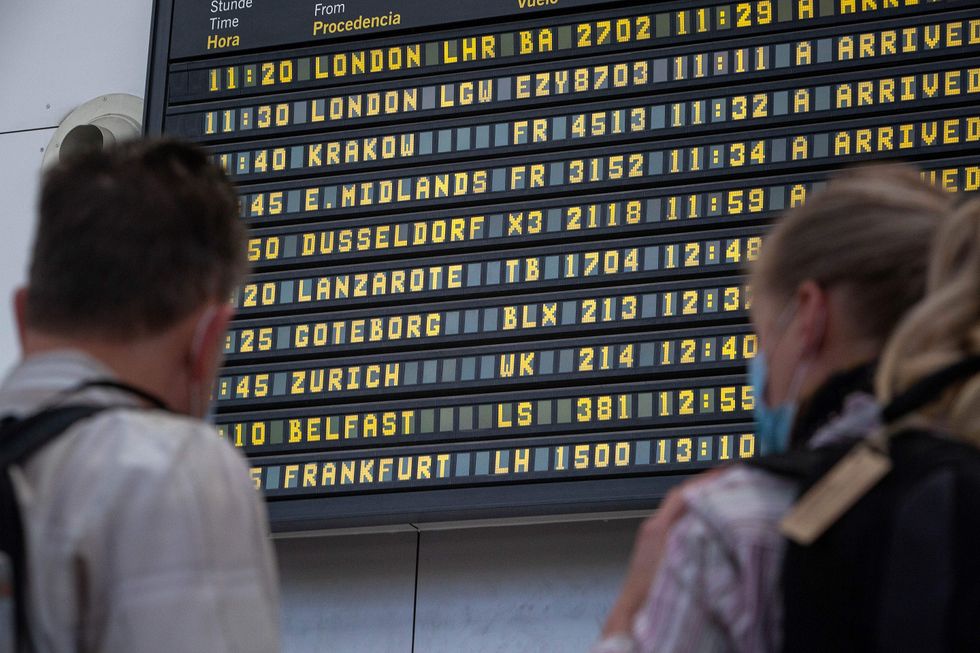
<point>741,497</point>
<point>153,441</point>
<point>124,464</point>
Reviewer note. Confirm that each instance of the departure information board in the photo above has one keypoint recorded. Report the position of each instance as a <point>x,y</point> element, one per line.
<point>498,249</point>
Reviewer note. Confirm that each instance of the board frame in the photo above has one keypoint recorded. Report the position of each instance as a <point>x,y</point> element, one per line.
<point>543,499</point>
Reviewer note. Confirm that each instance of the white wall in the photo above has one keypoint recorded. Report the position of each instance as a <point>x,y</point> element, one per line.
<point>20,156</point>
<point>515,588</point>
<point>541,588</point>
<point>54,56</point>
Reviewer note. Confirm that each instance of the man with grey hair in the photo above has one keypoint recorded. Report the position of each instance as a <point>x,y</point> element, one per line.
<point>141,529</point>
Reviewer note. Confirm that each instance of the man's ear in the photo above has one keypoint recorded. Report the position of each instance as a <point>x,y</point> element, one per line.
<point>208,339</point>
<point>20,316</point>
<point>813,304</point>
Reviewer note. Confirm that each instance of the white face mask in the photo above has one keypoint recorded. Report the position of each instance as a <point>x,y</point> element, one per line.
<point>200,408</point>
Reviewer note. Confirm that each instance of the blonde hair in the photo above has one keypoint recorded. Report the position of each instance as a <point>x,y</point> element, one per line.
<point>943,329</point>
<point>869,230</point>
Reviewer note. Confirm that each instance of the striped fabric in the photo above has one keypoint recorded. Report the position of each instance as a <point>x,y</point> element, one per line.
<point>144,531</point>
<point>718,586</point>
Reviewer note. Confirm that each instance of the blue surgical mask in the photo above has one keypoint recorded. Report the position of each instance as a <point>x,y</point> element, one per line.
<point>773,424</point>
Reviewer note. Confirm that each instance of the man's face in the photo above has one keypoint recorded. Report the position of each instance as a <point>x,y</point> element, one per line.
<point>204,356</point>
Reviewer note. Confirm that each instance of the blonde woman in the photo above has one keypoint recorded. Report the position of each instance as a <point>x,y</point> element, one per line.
<point>834,278</point>
<point>899,571</point>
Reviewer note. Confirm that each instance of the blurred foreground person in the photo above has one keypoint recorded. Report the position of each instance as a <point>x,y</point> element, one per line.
<point>884,542</point>
<point>833,279</point>
<point>141,529</point>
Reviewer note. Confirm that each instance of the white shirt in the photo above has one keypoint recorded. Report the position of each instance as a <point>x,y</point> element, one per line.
<point>144,531</point>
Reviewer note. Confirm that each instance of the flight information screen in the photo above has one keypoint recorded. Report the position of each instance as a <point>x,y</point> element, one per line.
<point>499,249</point>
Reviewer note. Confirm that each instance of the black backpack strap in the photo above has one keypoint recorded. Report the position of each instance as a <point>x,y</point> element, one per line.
<point>19,440</point>
<point>929,388</point>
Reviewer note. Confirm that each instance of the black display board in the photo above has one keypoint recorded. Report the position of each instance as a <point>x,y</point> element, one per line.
<point>498,247</point>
